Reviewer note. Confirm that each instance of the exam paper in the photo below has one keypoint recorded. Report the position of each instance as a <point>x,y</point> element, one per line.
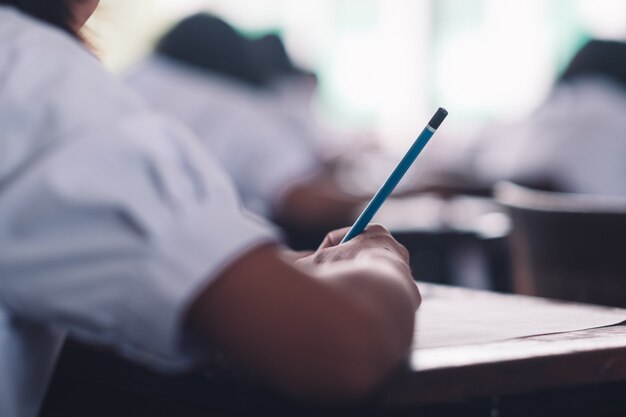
<point>452,316</point>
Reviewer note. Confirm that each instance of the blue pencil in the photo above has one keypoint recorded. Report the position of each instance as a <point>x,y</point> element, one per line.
<point>397,174</point>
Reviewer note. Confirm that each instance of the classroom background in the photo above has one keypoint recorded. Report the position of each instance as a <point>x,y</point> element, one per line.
<point>385,65</point>
<point>554,228</point>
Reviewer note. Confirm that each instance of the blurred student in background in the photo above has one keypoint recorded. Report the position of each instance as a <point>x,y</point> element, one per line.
<point>117,227</point>
<point>250,106</point>
<point>575,141</point>
<point>290,90</point>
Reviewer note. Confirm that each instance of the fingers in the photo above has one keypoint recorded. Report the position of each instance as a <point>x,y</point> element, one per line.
<point>381,237</point>
<point>402,251</point>
<point>417,296</point>
<point>334,238</point>
<point>374,236</point>
<point>377,228</point>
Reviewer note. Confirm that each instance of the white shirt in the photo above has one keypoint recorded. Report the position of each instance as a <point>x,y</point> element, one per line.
<point>263,154</point>
<point>576,138</point>
<point>112,218</point>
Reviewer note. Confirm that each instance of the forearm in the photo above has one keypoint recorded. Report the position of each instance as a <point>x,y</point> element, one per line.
<point>319,202</point>
<point>315,331</point>
<point>386,295</point>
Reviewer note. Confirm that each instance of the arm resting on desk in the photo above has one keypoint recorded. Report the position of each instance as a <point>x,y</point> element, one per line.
<point>317,203</point>
<point>333,331</point>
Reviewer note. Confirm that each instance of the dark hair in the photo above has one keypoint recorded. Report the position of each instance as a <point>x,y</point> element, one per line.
<point>208,43</point>
<point>598,58</point>
<point>271,59</point>
<point>55,12</point>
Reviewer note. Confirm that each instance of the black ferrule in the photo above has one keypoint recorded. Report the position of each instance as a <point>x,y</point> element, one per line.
<point>438,118</point>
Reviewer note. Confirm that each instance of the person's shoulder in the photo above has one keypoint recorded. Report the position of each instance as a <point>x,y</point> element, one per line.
<point>39,60</point>
<point>33,53</point>
<point>23,33</point>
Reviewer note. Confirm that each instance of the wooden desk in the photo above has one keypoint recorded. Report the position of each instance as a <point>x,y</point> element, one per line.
<point>580,373</point>
<point>526,368</point>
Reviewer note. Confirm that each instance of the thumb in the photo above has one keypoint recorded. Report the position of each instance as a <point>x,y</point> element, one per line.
<point>334,238</point>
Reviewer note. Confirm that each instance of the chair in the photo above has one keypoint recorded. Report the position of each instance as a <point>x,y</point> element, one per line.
<point>567,246</point>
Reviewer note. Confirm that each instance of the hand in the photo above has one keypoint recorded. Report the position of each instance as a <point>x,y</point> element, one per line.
<point>374,241</point>
<point>375,246</point>
<point>336,330</point>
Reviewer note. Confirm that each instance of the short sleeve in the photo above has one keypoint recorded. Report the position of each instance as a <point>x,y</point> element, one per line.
<point>113,239</point>
<point>112,218</point>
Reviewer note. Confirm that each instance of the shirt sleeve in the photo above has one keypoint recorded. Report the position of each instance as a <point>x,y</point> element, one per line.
<point>112,239</point>
<point>112,218</point>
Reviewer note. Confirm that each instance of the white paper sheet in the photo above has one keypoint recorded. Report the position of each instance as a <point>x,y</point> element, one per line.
<point>452,317</point>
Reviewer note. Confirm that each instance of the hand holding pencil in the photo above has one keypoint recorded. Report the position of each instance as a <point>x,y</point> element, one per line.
<point>403,166</point>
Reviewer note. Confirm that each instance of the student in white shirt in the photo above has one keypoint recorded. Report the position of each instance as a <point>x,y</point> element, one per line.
<point>290,91</point>
<point>202,73</point>
<point>117,228</point>
<point>575,141</point>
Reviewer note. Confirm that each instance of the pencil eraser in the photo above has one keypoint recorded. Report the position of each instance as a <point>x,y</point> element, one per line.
<point>438,118</point>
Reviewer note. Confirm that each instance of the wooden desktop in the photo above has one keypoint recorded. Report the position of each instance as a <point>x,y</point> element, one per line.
<point>576,373</point>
